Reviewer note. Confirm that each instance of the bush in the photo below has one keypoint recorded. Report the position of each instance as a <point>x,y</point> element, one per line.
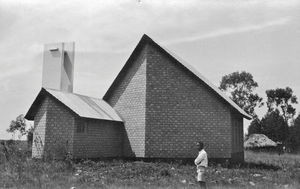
<point>20,170</point>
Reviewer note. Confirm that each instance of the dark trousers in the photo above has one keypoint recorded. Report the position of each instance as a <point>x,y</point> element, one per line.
<point>202,184</point>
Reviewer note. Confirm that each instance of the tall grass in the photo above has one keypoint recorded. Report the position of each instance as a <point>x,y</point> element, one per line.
<point>285,161</point>
<point>261,170</point>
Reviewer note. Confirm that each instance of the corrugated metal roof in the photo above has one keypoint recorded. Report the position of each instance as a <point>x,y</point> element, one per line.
<point>146,39</point>
<point>83,106</point>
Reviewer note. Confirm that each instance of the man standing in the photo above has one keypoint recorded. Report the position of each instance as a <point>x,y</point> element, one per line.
<point>201,163</point>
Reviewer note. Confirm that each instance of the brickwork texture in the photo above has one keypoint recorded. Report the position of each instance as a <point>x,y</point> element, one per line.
<point>167,109</point>
<point>56,134</point>
<point>99,139</point>
<point>54,125</point>
<point>129,100</point>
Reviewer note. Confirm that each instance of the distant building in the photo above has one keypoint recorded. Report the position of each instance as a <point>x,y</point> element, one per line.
<point>259,141</point>
<point>157,107</point>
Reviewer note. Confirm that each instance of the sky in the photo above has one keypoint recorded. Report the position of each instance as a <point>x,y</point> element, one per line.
<point>216,37</point>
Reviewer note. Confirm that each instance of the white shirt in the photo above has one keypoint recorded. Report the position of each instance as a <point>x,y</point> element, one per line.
<point>201,160</point>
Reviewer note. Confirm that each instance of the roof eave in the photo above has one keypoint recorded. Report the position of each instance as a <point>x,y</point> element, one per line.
<point>204,80</point>
<point>146,39</point>
<point>247,116</point>
<point>33,108</point>
<point>42,94</point>
<point>137,48</point>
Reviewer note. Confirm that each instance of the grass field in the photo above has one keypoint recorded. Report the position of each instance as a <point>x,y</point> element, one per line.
<point>261,170</point>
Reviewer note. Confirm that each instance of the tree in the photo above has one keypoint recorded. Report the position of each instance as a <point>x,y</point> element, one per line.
<point>240,87</point>
<point>19,125</point>
<point>282,100</point>
<point>30,136</point>
<point>293,140</point>
<point>274,126</point>
<point>255,127</point>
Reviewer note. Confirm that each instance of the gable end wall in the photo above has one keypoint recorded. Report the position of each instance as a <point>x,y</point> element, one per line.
<point>55,129</point>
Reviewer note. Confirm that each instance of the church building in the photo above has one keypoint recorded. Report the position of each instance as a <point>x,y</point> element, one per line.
<point>158,106</point>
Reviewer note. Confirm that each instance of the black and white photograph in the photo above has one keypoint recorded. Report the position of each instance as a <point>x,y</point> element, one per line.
<point>150,94</point>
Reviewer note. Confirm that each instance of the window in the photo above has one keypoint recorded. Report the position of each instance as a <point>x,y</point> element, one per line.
<point>82,127</point>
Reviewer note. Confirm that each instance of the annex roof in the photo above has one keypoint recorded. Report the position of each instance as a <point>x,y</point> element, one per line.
<point>259,140</point>
<point>147,40</point>
<point>83,106</point>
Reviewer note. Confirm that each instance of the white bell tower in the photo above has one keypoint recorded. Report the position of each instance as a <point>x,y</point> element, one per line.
<point>58,66</point>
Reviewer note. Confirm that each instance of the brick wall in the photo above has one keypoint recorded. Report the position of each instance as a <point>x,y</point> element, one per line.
<point>166,110</point>
<point>39,130</point>
<point>56,134</point>
<point>53,133</point>
<point>181,110</point>
<point>97,138</point>
<point>129,99</point>
<point>59,130</point>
